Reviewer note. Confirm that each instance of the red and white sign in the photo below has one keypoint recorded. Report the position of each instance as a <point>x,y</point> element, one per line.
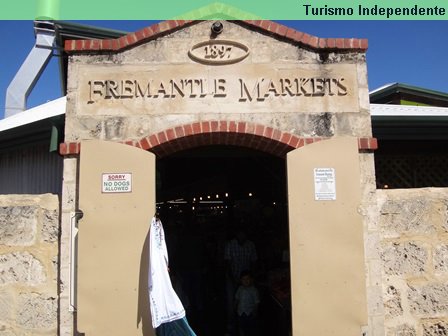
<point>117,183</point>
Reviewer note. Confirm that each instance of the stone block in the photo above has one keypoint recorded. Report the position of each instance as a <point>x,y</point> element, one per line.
<point>322,124</point>
<point>6,331</point>
<point>70,170</point>
<point>429,300</point>
<point>375,276</point>
<point>372,245</point>
<point>21,267</point>
<point>115,128</point>
<point>375,300</point>
<point>445,218</point>
<point>392,302</point>
<point>18,225</point>
<point>404,258</point>
<point>68,196</point>
<point>50,227</point>
<point>376,326</point>
<point>352,124</point>
<point>264,56</point>
<point>402,330</point>
<point>92,127</point>
<point>409,217</point>
<point>37,311</point>
<point>441,259</point>
<point>55,268</point>
<point>435,328</point>
<point>6,306</point>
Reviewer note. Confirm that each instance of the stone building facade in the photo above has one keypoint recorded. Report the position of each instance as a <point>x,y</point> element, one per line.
<point>257,84</point>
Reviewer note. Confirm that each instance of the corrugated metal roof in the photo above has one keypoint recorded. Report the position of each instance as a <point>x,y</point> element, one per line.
<point>432,97</point>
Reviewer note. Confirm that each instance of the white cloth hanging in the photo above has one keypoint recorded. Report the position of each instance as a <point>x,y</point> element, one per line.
<point>165,305</point>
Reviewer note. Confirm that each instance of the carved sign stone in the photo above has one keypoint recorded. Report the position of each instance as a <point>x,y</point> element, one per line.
<point>218,52</point>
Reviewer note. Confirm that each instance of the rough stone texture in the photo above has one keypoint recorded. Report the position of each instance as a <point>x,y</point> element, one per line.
<point>5,331</point>
<point>408,217</point>
<point>50,229</point>
<point>28,265</point>
<point>20,267</point>
<point>402,330</point>
<point>18,225</point>
<point>6,304</point>
<point>37,312</point>
<point>429,300</point>
<point>445,222</point>
<point>414,255</point>
<point>441,259</point>
<point>409,258</point>
<point>435,328</point>
<point>392,302</point>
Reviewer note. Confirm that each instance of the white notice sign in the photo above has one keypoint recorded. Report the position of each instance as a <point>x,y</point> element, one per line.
<point>117,183</point>
<point>324,184</point>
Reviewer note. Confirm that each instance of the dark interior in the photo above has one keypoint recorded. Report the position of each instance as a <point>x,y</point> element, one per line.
<point>204,196</point>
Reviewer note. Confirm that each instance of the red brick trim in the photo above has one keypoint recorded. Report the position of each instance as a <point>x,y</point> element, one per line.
<point>69,148</point>
<point>165,27</point>
<point>367,143</point>
<point>255,136</point>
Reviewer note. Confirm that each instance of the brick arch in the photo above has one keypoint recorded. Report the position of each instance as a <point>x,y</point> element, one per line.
<point>244,134</point>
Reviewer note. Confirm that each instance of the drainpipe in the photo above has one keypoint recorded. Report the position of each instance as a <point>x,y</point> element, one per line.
<point>74,218</point>
<point>31,69</point>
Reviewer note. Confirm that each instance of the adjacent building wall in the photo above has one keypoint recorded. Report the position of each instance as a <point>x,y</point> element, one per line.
<point>29,239</point>
<point>414,255</point>
<point>30,169</point>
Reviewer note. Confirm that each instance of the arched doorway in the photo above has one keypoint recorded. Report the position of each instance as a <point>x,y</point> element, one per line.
<point>326,234</point>
<point>206,195</point>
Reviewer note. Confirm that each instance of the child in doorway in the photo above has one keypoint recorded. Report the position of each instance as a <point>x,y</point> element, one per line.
<point>246,302</point>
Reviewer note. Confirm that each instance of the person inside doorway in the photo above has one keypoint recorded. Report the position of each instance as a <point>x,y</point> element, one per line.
<point>247,300</point>
<point>167,311</point>
<point>240,254</point>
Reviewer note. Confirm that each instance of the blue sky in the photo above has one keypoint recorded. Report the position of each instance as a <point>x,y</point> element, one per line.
<point>409,52</point>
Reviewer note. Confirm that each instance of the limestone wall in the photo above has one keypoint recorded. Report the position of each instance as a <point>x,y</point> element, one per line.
<point>414,253</point>
<point>92,114</point>
<point>29,237</point>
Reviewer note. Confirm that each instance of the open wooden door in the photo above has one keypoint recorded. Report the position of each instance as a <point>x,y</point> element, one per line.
<point>117,197</point>
<point>326,239</point>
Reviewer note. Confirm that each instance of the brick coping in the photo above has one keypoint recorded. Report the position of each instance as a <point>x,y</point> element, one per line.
<point>162,28</point>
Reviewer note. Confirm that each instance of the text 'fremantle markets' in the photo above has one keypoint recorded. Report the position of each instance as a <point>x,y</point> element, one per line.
<point>258,89</point>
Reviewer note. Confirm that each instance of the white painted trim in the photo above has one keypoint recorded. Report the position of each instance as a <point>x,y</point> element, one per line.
<point>388,110</point>
<point>53,108</point>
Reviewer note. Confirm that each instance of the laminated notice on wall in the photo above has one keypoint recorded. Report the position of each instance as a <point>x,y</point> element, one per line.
<point>324,184</point>
<point>117,183</point>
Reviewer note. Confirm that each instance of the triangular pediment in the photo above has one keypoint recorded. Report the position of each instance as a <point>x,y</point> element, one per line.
<point>265,27</point>
<point>216,66</point>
